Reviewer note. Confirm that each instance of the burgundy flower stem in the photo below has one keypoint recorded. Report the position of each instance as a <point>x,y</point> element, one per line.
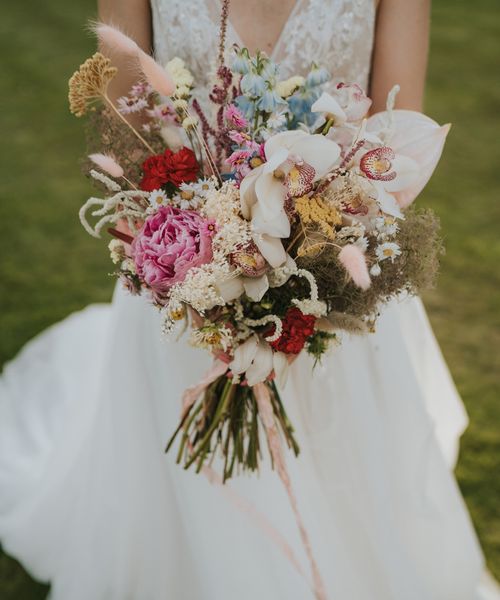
<point>223,31</point>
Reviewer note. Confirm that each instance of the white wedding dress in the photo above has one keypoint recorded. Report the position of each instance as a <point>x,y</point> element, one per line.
<point>90,502</point>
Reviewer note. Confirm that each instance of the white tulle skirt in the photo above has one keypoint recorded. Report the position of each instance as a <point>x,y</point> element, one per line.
<point>90,502</point>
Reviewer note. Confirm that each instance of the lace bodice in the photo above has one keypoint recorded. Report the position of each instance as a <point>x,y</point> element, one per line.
<point>336,34</point>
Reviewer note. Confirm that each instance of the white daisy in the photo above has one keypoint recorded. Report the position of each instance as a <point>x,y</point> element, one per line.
<point>388,250</point>
<point>157,198</point>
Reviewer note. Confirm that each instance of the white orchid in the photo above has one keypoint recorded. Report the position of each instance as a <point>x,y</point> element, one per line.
<point>295,159</point>
<point>255,358</point>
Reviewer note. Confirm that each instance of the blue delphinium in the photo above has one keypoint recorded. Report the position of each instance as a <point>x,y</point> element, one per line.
<point>301,101</point>
<point>270,101</point>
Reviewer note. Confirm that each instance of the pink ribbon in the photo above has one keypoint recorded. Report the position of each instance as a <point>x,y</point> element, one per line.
<point>192,393</point>
<point>267,416</point>
<point>265,409</point>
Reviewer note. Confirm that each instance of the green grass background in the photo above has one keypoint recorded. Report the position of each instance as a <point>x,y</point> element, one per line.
<point>50,267</point>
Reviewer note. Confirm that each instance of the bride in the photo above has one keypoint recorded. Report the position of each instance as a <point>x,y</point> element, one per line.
<point>89,501</point>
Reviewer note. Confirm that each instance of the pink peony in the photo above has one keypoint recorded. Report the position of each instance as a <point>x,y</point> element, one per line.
<point>171,242</point>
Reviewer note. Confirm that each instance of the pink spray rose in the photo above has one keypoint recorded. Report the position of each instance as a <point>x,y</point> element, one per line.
<point>171,242</point>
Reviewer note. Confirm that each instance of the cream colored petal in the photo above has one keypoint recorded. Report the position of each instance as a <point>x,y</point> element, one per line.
<point>270,193</point>
<point>277,225</point>
<point>284,139</point>
<point>262,364</point>
<point>317,151</point>
<point>243,355</point>
<point>387,202</point>
<point>277,159</point>
<point>406,173</point>
<point>247,192</point>
<point>271,249</point>
<point>327,104</point>
<point>255,287</point>
<point>230,289</point>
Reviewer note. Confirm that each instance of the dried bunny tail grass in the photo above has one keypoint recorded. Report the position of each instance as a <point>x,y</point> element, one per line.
<point>155,74</point>
<point>354,261</point>
<point>114,39</point>
<point>107,163</point>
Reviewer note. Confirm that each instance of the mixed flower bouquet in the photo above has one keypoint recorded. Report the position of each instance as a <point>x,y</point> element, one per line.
<point>266,230</point>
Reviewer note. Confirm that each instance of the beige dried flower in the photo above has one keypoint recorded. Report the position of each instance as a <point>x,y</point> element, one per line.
<point>90,83</point>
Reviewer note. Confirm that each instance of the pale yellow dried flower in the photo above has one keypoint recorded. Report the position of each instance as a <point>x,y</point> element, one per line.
<point>90,83</point>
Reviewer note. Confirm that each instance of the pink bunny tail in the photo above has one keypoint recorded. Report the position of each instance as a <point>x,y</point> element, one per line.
<point>155,74</point>
<point>115,39</point>
<point>108,164</point>
<point>354,262</point>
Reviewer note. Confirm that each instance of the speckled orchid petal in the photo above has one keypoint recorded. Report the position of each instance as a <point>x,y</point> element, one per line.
<point>262,364</point>
<point>317,151</point>
<point>243,355</point>
<point>255,287</point>
<point>416,136</point>
<point>326,103</point>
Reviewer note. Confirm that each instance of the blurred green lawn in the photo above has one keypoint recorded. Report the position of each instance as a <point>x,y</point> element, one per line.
<point>50,267</point>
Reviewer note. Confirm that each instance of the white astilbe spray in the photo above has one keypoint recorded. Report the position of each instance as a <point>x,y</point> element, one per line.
<point>312,305</point>
<point>123,205</point>
<point>264,321</point>
<point>109,183</point>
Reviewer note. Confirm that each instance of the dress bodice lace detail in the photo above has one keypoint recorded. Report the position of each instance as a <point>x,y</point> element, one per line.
<point>336,34</point>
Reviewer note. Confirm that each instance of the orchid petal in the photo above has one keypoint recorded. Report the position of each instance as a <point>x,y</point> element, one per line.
<point>277,159</point>
<point>243,355</point>
<point>270,193</point>
<point>262,364</point>
<point>327,104</point>
<point>317,151</point>
<point>277,225</point>
<point>247,192</point>
<point>285,139</point>
<point>417,136</point>
<point>255,287</point>
<point>271,249</point>
<point>387,202</point>
<point>406,173</point>
<point>230,289</point>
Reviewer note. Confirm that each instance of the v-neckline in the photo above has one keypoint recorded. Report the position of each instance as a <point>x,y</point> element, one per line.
<point>277,44</point>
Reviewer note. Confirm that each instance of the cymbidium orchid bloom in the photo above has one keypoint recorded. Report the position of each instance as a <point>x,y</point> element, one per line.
<point>347,104</point>
<point>295,160</point>
<point>388,173</point>
<point>417,142</point>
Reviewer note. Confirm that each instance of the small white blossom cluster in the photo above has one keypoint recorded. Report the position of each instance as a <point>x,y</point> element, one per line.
<point>385,231</point>
<point>181,76</point>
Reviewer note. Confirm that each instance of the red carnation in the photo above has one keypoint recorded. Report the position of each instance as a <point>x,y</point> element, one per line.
<point>297,327</point>
<point>182,166</point>
<point>169,167</point>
